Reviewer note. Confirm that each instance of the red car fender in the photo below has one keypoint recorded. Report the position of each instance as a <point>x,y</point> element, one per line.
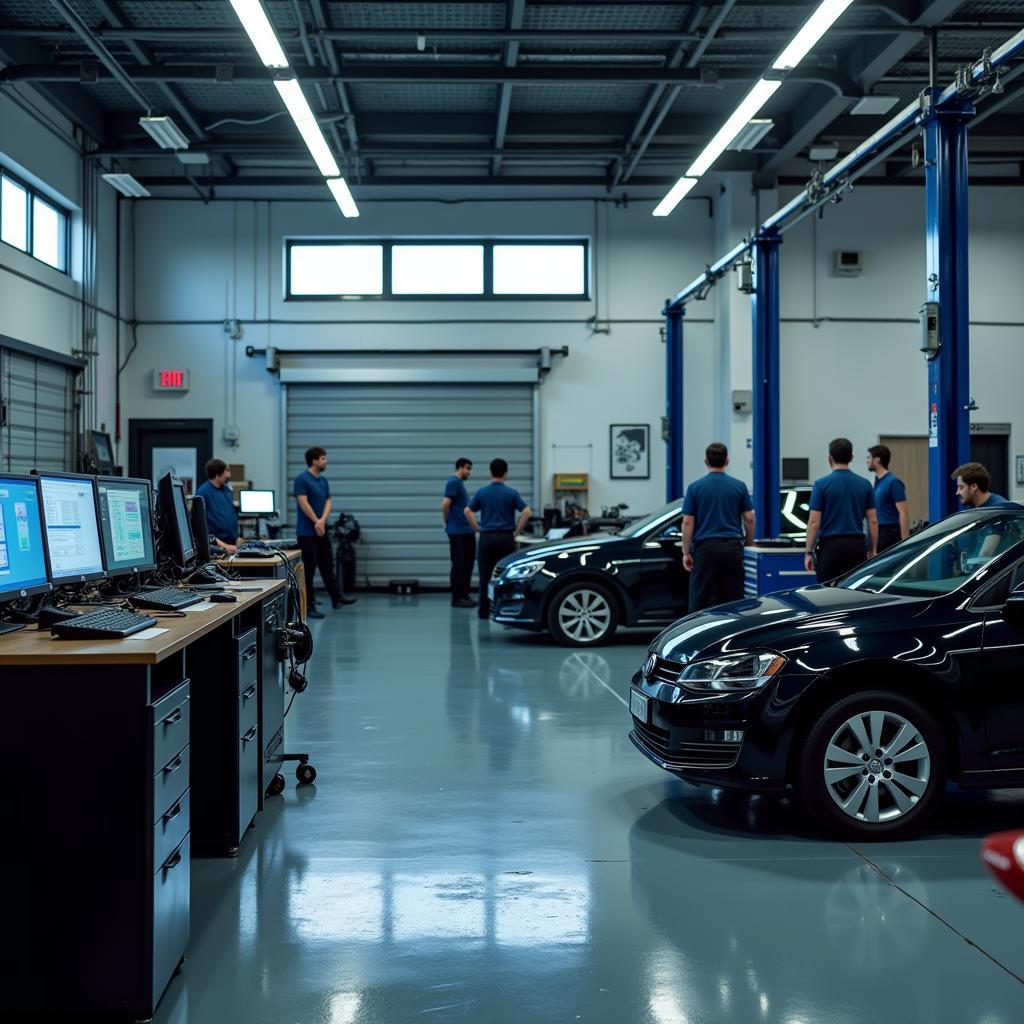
<point>1003,854</point>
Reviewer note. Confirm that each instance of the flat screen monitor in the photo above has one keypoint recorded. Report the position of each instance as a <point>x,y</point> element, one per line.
<point>72,523</point>
<point>23,571</point>
<point>200,529</point>
<point>174,520</point>
<point>102,451</point>
<point>126,524</point>
<point>796,470</point>
<point>257,503</point>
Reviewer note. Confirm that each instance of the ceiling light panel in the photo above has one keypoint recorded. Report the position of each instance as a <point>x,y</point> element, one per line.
<point>343,197</point>
<point>824,17</point>
<point>126,185</point>
<point>261,33</point>
<point>756,129</point>
<point>164,132</point>
<point>674,197</point>
<point>762,91</point>
<point>305,121</point>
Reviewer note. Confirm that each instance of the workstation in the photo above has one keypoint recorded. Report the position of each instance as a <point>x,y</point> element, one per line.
<point>513,511</point>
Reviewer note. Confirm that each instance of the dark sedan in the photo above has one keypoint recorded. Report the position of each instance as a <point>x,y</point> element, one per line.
<point>582,590</point>
<point>866,696</point>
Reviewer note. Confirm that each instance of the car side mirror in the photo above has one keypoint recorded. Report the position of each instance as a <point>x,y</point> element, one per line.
<point>1013,610</point>
<point>671,533</point>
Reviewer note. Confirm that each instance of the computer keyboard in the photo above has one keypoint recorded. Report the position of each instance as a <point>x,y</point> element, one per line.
<point>107,624</point>
<point>165,599</point>
<point>256,551</point>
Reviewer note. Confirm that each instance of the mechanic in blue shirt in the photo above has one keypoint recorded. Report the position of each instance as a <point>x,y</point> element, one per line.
<point>840,502</point>
<point>221,517</point>
<point>313,509</point>
<point>497,505</point>
<point>461,536</point>
<point>972,487</point>
<point>890,499</point>
<point>718,519</point>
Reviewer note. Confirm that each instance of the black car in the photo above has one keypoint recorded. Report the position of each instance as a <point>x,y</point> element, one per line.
<point>865,696</point>
<point>582,590</point>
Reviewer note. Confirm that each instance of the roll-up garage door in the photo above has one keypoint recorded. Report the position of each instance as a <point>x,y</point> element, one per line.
<point>390,449</point>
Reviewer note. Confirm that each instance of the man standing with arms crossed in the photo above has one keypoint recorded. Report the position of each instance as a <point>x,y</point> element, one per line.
<point>840,502</point>
<point>461,536</point>
<point>890,499</point>
<point>313,501</point>
<point>718,519</point>
<point>497,504</point>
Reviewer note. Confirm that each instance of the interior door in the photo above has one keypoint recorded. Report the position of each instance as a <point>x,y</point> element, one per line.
<point>181,447</point>
<point>664,583</point>
<point>910,464</point>
<point>993,452</point>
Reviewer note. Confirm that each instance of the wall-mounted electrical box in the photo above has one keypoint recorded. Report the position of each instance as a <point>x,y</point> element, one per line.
<point>743,401</point>
<point>847,263</point>
<point>930,340</point>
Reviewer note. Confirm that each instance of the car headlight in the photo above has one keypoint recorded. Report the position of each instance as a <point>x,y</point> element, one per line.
<point>731,672</point>
<point>523,570</point>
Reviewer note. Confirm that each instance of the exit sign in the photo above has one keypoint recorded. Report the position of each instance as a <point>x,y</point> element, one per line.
<point>170,380</point>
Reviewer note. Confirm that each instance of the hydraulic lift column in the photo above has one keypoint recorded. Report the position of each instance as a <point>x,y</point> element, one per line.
<point>945,321</point>
<point>766,453</point>
<point>674,483</point>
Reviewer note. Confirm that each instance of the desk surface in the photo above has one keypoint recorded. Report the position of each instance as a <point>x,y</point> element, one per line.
<point>30,646</point>
<point>293,554</point>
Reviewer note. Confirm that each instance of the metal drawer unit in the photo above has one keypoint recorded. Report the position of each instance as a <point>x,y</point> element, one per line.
<point>225,745</point>
<point>769,570</point>
<point>271,731</point>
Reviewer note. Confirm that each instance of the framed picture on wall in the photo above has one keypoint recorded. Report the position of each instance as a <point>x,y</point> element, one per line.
<point>1020,469</point>
<point>630,447</point>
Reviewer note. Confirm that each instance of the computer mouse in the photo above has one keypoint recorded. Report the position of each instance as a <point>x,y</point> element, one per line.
<point>222,598</point>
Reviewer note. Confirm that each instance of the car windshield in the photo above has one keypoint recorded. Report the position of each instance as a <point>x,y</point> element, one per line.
<point>941,558</point>
<point>663,514</point>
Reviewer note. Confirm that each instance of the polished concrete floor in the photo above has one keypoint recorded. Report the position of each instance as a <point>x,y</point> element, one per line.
<point>484,844</point>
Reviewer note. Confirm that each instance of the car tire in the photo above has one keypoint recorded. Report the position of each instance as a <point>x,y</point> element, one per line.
<point>583,614</point>
<point>873,765</point>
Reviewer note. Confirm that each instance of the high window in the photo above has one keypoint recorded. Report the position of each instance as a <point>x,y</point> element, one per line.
<point>32,223</point>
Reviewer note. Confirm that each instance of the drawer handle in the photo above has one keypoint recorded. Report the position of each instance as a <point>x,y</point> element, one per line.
<point>173,861</point>
<point>250,735</point>
<point>173,812</point>
<point>173,766</point>
<point>173,718</point>
<point>250,692</point>
<point>249,654</point>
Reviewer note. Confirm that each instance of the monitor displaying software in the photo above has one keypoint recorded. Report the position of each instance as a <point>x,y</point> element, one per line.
<point>22,552</point>
<point>256,503</point>
<point>72,527</point>
<point>126,524</point>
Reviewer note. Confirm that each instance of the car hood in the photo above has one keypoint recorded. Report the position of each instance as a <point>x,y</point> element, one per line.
<point>539,551</point>
<point>779,621</point>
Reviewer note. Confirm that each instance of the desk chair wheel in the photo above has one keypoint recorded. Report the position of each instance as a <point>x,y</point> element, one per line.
<point>276,787</point>
<point>305,773</point>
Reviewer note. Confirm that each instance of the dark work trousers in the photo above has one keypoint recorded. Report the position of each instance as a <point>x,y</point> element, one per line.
<point>839,555</point>
<point>717,574</point>
<point>463,550</point>
<point>888,534</point>
<point>494,546</point>
<point>316,554</point>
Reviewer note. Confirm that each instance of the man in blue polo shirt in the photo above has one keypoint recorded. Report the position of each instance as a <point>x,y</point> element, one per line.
<point>972,487</point>
<point>890,499</point>
<point>461,536</point>
<point>313,510</point>
<point>840,502</point>
<point>497,505</point>
<point>221,517</point>
<point>718,518</point>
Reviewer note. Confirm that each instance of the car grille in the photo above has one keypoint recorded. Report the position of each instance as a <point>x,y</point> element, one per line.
<point>666,671</point>
<point>687,755</point>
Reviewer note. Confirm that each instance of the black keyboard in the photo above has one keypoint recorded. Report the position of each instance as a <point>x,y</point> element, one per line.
<point>108,624</point>
<point>165,599</point>
<point>256,551</point>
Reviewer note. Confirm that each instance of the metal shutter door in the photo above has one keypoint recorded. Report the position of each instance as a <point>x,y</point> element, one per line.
<point>390,449</point>
<point>38,424</point>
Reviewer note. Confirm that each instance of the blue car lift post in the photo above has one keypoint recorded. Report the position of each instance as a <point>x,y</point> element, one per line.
<point>943,115</point>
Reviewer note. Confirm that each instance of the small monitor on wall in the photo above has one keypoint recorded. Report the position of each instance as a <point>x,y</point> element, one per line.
<point>257,503</point>
<point>796,469</point>
<point>102,451</point>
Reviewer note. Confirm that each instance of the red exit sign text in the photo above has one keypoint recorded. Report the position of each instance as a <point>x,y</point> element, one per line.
<point>170,380</point>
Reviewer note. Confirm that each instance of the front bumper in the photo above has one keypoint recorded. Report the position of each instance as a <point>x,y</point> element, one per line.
<point>518,603</point>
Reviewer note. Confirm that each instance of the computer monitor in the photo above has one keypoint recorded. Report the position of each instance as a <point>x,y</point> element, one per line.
<point>179,546</point>
<point>257,503</point>
<point>200,529</point>
<point>796,470</point>
<point>72,522</point>
<point>126,524</point>
<point>23,566</point>
<point>101,450</point>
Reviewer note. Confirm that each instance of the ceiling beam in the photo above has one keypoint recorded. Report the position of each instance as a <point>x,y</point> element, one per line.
<point>514,20</point>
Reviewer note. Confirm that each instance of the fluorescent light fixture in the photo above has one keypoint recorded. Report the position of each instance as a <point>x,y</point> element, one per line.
<point>126,185</point>
<point>195,159</point>
<point>758,96</point>
<point>342,196</point>
<point>823,151</point>
<point>674,197</point>
<point>874,105</point>
<point>824,17</point>
<point>305,121</point>
<point>260,32</point>
<point>750,136</point>
<point>164,132</point>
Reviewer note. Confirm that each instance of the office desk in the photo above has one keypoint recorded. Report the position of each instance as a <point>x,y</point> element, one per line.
<point>271,568</point>
<point>130,754</point>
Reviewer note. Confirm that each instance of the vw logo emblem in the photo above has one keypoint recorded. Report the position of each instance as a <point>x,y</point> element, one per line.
<point>649,666</point>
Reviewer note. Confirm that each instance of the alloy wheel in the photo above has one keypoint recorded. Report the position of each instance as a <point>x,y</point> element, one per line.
<point>877,766</point>
<point>585,615</point>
